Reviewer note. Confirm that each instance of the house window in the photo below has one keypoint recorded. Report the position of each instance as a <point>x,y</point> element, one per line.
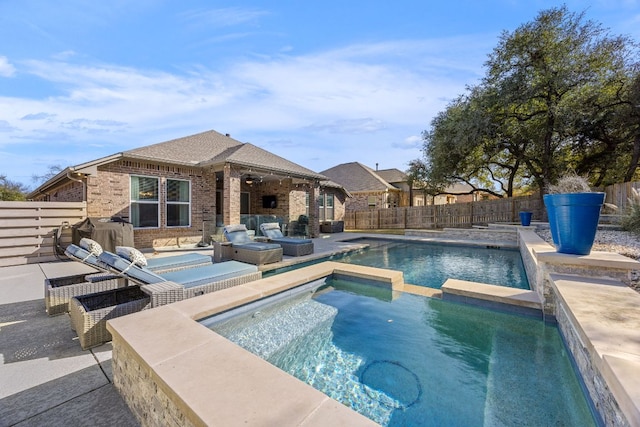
<point>321,207</point>
<point>328,207</point>
<point>372,201</point>
<point>306,203</point>
<point>178,203</point>
<point>145,206</point>
<point>325,205</point>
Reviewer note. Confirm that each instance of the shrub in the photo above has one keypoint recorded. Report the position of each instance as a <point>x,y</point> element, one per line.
<point>570,184</point>
<point>631,219</point>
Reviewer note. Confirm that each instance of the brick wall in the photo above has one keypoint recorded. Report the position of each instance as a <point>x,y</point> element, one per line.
<point>360,201</point>
<point>108,195</point>
<point>69,192</point>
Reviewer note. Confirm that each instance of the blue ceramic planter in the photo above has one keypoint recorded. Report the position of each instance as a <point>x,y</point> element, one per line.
<point>525,218</point>
<point>573,219</point>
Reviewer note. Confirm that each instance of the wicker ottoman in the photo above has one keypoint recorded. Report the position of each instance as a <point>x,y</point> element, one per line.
<point>89,313</point>
<point>58,291</point>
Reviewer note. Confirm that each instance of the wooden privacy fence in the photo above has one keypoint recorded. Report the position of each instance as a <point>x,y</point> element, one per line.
<point>619,194</point>
<point>457,215</point>
<point>27,229</point>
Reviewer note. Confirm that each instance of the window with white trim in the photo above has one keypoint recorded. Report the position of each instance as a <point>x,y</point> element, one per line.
<point>321,207</point>
<point>328,207</point>
<point>178,203</point>
<point>145,202</point>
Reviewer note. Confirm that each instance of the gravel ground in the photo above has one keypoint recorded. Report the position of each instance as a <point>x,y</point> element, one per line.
<point>622,242</point>
<point>618,241</point>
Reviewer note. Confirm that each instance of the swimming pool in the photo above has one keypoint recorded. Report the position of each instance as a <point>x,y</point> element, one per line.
<point>431,264</point>
<point>410,360</point>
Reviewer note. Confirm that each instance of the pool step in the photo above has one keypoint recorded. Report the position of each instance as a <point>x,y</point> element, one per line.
<point>513,300</point>
<point>267,332</point>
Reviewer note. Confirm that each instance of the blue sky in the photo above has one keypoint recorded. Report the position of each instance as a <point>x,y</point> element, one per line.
<point>319,83</point>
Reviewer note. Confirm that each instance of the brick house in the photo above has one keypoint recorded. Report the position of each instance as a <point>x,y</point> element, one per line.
<point>368,189</point>
<point>388,188</point>
<point>187,188</point>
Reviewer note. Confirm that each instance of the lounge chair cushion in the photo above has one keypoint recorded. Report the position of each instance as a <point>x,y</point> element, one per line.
<point>91,246</point>
<point>209,273</point>
<point>123,266</point>
<point>257,246</point>
<point>189,277</point>
<point>239,238</point>
<point>83,255</point>
<point>237,234</point>
<point>187,260</point>
<point>272,231</point>
<point>132,255</point>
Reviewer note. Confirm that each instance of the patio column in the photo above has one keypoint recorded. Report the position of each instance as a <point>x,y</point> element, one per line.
<point>314,212</point>
<point>231,196</point>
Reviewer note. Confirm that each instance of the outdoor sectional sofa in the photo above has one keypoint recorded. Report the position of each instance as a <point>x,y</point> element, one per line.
<point>246,250</point>
<point>291,246</point>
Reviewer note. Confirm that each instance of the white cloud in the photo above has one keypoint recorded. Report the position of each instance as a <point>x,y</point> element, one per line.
<point>351,104</point>
<point>6,69</point>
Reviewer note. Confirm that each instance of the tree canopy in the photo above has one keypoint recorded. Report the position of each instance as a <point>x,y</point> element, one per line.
<point>11,191</point>
<point>559,93</point>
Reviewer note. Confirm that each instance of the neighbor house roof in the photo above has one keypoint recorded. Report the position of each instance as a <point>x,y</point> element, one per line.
<point>356,177</point>
<point>206,149</point>
<point>392,176</point>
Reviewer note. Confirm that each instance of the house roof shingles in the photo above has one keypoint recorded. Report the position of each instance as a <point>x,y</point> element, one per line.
<point>392,175</point>
<point>189,150</point>
<point>204,149</point>
<point>356,177</point>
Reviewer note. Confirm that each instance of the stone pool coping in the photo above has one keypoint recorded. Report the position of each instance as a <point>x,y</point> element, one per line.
<point>210,380</point>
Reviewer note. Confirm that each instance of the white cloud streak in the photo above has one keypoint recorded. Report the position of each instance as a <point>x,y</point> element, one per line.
<point>6,69</point>
<point>378,96</point>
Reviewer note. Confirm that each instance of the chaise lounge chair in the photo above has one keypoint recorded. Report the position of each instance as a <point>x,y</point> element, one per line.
<point>246,250</point>
<point>58,291</point>
<point>89,313</point>
<point>290,246</point>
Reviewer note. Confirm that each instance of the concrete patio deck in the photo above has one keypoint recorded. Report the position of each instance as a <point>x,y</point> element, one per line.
<point>45,377</point>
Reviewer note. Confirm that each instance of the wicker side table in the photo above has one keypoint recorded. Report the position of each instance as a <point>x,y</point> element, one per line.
<point>58,291</point>
<point>89,313</point>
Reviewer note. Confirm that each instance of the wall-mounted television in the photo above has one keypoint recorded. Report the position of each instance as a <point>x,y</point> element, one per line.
<point>269,202</point>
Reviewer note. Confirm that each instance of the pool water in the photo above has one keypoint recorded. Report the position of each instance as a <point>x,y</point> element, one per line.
<point>432,264</point>
<point>418,361</point>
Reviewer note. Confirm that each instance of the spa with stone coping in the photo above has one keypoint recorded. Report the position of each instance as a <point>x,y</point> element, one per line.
<point>171,370</point>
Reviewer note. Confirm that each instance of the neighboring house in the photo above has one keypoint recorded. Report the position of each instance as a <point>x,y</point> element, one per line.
<point>367,188</point>
<point>388,188</point>
<point>186,187</point>
<point>458,193</point>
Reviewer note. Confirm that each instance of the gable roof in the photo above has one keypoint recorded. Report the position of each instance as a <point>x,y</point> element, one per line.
<point>189,150</point>
<point>356,177</point>
<point>250,156</point>
<point>392,175</point>
<point>205,149</point>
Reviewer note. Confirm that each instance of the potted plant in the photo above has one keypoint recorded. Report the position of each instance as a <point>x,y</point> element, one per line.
<point>574,212</point>
<point>525,218</point>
